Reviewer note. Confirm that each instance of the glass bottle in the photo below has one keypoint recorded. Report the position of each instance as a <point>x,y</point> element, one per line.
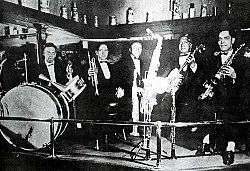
<point>74,12</point>
<point>96,21</point>
<point>204,10</point>
<point>130,16</point>
<point>191,11</point>
<point>63,12</point>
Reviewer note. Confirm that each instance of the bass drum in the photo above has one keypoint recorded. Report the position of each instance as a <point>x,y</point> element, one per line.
<point>32,101</point>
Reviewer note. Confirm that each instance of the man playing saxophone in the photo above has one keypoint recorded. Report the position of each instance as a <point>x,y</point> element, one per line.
<point>223,103</point>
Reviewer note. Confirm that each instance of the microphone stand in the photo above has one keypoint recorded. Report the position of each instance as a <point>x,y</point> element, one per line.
<point>26,69</point>
<point>172,133</point>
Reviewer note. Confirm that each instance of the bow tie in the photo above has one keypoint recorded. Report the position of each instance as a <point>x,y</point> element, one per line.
<point>184,53</point>
<point>50,64</point>
<point>223,53</point>
<point>103,61</point>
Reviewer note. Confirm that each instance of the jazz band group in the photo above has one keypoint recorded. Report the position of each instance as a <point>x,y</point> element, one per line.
<point>207,86</point>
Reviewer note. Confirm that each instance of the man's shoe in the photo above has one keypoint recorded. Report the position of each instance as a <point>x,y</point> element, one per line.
<point>201,150</point>
<point>228,157</point>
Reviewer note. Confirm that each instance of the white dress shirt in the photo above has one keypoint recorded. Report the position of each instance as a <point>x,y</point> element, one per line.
<point>137,66</point>
<point>182,60</point>
<point>51,70</point>
<point>105,69</point>
<point>224,58</point>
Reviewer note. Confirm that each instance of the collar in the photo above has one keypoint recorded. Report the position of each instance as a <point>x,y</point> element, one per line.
<point>103,60</point>
<point>229,53</point>
<point>49,64</point>
<point>134,57</point>
<point>185,54</point>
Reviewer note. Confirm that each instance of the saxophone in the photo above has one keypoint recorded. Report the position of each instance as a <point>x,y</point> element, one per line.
<point>148,99</point>
<point>218,76</point>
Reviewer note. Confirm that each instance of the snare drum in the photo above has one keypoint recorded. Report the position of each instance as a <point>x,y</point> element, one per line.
<point>32,101</point>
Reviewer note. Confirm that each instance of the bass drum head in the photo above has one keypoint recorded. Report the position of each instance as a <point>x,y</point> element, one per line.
<point>30,101</point>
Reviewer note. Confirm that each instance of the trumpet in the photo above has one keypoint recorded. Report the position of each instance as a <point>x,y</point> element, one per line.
<point>92,66</point>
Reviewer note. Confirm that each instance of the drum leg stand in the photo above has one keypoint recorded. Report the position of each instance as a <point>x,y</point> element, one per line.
<point>143,142</point>
<point>134,154</point>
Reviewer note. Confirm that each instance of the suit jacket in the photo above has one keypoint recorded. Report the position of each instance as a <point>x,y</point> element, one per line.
<point>105,86</point>
<point>186,96</point>
<point>60,72</point>
<point>227,91</point>
<point>123,72</point>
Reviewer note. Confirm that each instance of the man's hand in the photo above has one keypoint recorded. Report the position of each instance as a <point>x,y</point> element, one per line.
<point>92,72</point>
<point>229,71</point>
<point>119,92</point>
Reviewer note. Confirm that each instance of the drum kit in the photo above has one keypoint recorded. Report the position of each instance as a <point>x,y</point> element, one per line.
<point>30,100</point>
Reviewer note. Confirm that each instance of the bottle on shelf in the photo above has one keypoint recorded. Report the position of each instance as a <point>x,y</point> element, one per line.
<point>191,11</point>
<point>96,24</point>
<point>112,20</point>
<point>63,12</point>
<point>129,16</point>
<point>215,10</point>
<point>229,8</point>
<point>74,12</point>
<point>15,31</point>
<point>84,19</point>
<point>44,6</point>
<point>176,14</point>
<point>204,10</point>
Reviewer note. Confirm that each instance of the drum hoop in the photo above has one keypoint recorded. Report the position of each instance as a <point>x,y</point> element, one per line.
<point>59,107</point>
<point>60,127</point>
<point>68,113</point>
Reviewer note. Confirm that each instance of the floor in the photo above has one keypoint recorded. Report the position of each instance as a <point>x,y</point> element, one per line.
<point>72,153</point>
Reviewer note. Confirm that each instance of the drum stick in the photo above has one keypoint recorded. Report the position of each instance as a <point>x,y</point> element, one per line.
<point>57,85</point>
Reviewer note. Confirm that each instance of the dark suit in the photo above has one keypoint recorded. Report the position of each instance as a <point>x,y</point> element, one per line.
<point>226,93</point>
<point>123,72</point>
<point>186,96</point>
<point>60,72</point>
<point>225,102</point>
<point>106,95</point>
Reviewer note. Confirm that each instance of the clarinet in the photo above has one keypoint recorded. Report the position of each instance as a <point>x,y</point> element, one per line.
<point>218,76</point>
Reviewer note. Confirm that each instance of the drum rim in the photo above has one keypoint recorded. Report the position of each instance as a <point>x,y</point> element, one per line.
<point>55,99</point>
<point>60,128</point>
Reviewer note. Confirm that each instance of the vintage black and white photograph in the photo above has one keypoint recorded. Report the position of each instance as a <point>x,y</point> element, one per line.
<point>124,85</point>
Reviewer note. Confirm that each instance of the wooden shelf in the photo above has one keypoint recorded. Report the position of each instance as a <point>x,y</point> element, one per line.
<point>15,14</point>
<point>23,35</point>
